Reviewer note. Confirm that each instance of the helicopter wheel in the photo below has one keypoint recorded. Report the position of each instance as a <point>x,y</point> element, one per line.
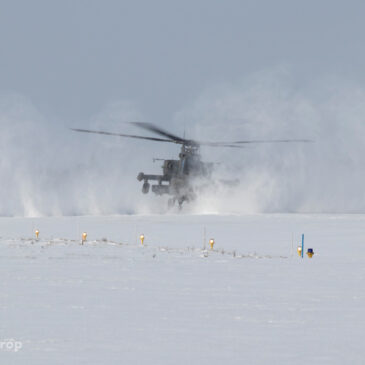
<point>181,201</point>
<point>171,203</point>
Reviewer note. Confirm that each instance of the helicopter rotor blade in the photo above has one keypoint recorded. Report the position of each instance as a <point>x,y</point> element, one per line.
<point>123,135</point>
<point>221,145</point>
<point>175,139</point>
<point>240,143</point>
<point>152,128</point>
<point>276,141</point>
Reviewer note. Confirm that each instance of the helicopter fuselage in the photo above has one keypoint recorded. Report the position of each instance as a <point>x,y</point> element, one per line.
<point>178,175</point>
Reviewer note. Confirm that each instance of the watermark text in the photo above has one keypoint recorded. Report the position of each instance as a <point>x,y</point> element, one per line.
<point>10,345</point>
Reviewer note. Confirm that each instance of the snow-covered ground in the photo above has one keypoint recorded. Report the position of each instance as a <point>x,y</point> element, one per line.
<point>251,300</point>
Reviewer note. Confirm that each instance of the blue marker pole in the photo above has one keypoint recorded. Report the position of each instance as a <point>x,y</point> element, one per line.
<point>302,244</point>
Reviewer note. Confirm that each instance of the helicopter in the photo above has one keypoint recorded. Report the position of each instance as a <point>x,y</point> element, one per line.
<point>180,177</point>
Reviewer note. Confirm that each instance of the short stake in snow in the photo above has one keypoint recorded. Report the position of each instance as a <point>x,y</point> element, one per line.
<point>211,242</point>
<point>37,234</point>
<point>84,236</point>
<point>141,237</point>
<point>310,253</point>
<point>299,249</point>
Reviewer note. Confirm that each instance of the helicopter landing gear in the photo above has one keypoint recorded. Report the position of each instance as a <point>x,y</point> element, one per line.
<point>181,201</point>
<point>145,188</point>
<point>171,203</point>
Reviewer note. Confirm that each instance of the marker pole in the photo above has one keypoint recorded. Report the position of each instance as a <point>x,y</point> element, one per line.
<point>302,244</point>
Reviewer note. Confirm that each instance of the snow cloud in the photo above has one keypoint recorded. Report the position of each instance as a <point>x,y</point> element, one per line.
<point>46,169</point>
<point>324,176</point>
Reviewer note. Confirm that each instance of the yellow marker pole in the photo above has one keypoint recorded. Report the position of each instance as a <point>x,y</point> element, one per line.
<point>141,237</point>
<point>84,236</point>
<point>211,242</point>
<point>299,249</point>
<point>37,234</point>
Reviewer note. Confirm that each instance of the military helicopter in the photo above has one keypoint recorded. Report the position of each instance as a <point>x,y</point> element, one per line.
<point>184,177</point>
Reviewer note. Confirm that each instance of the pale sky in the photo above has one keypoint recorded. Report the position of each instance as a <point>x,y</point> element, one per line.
<point>70,58</point>
<point>219,70</point>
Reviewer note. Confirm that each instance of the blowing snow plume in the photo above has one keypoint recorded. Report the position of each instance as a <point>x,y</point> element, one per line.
<point>324,176</point>
<point>46,169</point>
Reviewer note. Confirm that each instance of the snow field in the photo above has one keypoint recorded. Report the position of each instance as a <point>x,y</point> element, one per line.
<point>251,300</point>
